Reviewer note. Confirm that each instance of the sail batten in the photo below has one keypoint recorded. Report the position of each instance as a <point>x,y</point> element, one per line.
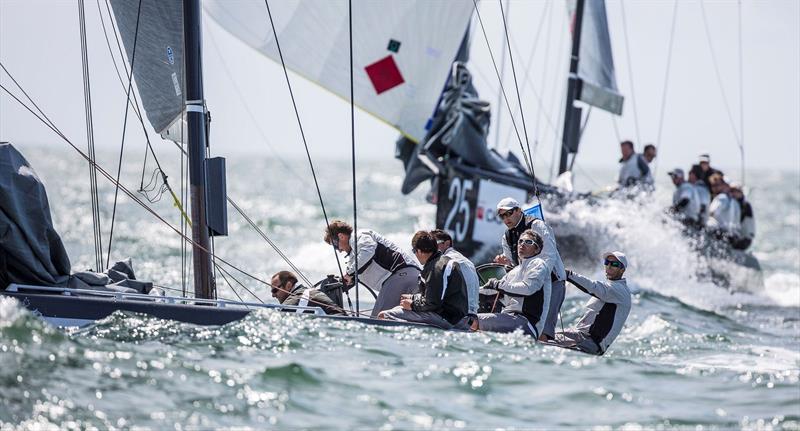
<point>152,35</point>
<point>402,50</point>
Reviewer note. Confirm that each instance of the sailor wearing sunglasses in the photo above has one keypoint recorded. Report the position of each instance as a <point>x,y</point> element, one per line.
<point>508,209</point>
<point>526,290</point>
<point>605,313</point>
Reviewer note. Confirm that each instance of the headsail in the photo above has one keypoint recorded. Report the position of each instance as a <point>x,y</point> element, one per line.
<point>596,64</point>
<point>402,49</point>
<point>153,39</point>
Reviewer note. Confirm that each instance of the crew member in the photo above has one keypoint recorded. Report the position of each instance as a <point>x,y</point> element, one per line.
<point>633,167</point>
<point>517,222</point>
<point>703,195</point>
<point>442,300</point>
<point>526,290</point>
<point>382,265</point>
<point>747,231</point>
<point>724,213</point>
<point>605,313</point>
<point>704,171</point>
<point>649,154</point>
<point>685,202</point>
<point>444,243</point>
<point>288,291</point>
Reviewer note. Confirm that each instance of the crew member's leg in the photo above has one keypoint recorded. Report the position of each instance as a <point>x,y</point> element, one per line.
<point>504,322</point>
<point>556,299</point>
<point>578,341</point>
<point>426,317</point>
<point>404,281</point>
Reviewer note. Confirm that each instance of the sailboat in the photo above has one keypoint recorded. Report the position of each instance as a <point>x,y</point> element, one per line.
<point>163,44</point>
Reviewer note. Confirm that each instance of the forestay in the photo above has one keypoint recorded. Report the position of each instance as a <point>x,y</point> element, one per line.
<point>402,49</point>
<point>596,62</point>
<point>155,48</point>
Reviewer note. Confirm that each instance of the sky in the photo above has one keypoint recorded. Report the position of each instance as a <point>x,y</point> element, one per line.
<point>252,113</point>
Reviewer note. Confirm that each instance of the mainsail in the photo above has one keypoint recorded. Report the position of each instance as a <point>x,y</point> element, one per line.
<point>402,49</point>
<point>152,33</point>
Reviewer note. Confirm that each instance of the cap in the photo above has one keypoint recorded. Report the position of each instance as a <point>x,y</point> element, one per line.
<point>705,158</point>
<point>619,255</point>
<point>736,186</point>
<point>507,204</point>
<point>677,172</point>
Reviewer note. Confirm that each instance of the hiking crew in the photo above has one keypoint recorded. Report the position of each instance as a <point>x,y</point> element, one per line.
<point>685,201</point>
<point>517,222</point>
<point>382,265</point>
<point>634,169</point>
<point>747,231</point>
<point>526,290</point>
<point>605,313</point>
<point>444,243</point>
<point>288,291</point>
<point>724,213</point>
<point>442,300</point>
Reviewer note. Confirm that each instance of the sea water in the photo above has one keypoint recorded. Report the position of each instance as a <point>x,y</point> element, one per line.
<point>692,354</point>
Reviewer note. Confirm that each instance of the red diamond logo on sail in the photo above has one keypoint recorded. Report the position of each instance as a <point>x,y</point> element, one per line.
<point>384,74</point>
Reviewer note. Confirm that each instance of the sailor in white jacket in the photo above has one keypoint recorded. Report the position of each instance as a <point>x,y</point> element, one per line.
<point>382,265</point>
<point>526,289</point>
<point>685,201</point>
<point>605,313</point>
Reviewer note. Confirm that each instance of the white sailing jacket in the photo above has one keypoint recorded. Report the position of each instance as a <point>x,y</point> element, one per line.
<point>686,190</point>
<point>549,252</point>
<point>634,171</point>
<point>725,214</point>
<point>527,291</point>
<point>378,258</point>
<point>704,197</point>
<point>470,276</point>
<point>606,312</point>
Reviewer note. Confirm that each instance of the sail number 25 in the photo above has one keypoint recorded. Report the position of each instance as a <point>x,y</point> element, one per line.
<point>458,196</point>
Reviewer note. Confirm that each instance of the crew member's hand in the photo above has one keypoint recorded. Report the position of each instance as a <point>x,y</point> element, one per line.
<point>406,303</point>
<point>348,279</point>
<point>569,272</point>
<point>502,259</point>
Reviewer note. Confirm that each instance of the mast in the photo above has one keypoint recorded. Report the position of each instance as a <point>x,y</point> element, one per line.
<point>196,144</point>
<point>572,115</point>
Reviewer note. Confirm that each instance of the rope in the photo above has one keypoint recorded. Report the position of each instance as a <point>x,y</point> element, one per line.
<point>353,154</point>
<point>303,135</point>
<point>630,71</point>
<point>87,99</point>
<point>666,82</point>
<point>124,128</point>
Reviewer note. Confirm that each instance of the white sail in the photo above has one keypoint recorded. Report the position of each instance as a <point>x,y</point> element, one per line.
<point>403,50</point>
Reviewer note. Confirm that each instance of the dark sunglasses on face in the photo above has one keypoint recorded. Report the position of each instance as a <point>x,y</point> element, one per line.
<point>274,290</point>
<point>614,263</point>
<point>526,242</point>
<point>505,214</point>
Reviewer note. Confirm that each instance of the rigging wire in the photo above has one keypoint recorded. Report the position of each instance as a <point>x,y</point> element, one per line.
<point>502,89</point>
<point>353,155</point>
<point>87,99</point>
<point>44,119</point>
<point>630,71</point>
<point>124,128</point>
<point>502,78</point>
<point>303,135</point>
<point>250,113</point>
<point>741,89</point>
<point>728,109</point>
<point>666,82</point>
<point>519,101</point>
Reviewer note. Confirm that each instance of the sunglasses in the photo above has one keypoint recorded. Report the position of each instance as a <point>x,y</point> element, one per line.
<point>614,263</point>
<point>527,242</point>
<point>505,214</point>
<point>274,290</point>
